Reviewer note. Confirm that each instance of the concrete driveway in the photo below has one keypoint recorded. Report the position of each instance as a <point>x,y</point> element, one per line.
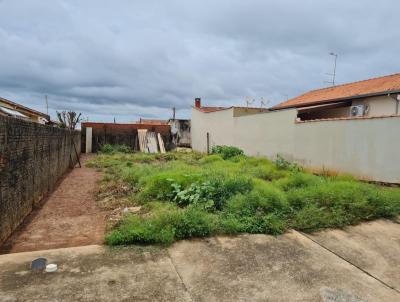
<point>360,263</point>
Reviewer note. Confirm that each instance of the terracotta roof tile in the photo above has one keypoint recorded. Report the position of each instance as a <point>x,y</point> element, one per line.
<point>381,85</point>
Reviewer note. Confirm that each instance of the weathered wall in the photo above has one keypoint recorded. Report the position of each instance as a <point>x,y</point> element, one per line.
<point>32,158</point>
<point>365,147</point>
<point>180,132</point>
<point>120,134</point>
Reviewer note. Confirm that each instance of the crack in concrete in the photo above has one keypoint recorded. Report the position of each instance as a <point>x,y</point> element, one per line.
<point>349,262</point>
<point>180,277</point>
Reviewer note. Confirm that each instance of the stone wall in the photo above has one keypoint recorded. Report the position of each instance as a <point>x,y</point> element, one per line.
<point>33,157</point>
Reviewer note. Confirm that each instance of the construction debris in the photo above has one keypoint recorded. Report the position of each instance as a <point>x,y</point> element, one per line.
<point>142,133</point>
<point>51,268</point>
<point>161,143</point>
<point>38,264</point>
<point>132,210</point>
<point>150,142</point>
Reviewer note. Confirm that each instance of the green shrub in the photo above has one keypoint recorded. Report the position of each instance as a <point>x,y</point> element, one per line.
<point>263,210</point>
<point>133,229</point>
<point>262,199</point>
<point>110,149</point>
<point>298,180</point>
<point>107,148</point>
<point>194,222</point>
<point>226,151</point>
<point>162,186</point>
<point>282,163</point>
<point>211,194</point>
<point>268,173</point>
<point>164,226</point>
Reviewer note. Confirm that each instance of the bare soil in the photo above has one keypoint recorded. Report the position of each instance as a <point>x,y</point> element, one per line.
<point>68,217</point>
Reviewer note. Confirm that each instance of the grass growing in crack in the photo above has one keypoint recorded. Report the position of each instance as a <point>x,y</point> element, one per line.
<point>185,195</point>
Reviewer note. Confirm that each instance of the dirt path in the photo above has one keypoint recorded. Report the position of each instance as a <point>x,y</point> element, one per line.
<point>69,217</point>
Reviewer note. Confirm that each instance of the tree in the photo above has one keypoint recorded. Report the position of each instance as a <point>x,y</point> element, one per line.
<point>68,119</point>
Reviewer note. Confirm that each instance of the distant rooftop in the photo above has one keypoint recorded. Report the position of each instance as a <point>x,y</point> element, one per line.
<point>16,106</point>
<point>371,87</point>
<point>208,109</point>
<point>152,121</point>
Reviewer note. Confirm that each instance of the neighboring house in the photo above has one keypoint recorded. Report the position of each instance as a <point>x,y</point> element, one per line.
<point>321,130</point>
<point>372,98</point>
<point>9,108</point>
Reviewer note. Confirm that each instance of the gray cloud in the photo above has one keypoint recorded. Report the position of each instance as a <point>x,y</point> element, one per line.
<point>127,59</point>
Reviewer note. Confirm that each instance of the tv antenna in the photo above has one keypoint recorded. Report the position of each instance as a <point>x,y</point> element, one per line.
<point>263,102</point>
<point>333,75</point>
<point>249,101</point>
<point>173,113</point>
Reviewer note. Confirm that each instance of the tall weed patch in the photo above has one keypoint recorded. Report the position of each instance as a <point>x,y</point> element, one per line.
<point>186,195</point>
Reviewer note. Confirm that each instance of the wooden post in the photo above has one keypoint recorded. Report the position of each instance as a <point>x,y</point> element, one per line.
<point>208,143</point>
<point>76,153</point>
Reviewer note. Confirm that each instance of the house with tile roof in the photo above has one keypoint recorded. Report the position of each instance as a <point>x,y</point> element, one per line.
<point>370,98</point>
<point>9,108</point>
<point>342,129</point>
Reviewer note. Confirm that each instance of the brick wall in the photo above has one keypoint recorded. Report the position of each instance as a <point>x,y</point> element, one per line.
<point>33,157</point>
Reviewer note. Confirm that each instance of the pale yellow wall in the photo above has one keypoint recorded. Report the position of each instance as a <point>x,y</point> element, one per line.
<point>219,124</point>
<point>366,148</point>
<point>379,105</point>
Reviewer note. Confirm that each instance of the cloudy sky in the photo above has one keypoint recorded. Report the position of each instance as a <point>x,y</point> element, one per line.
<point>129,59</point>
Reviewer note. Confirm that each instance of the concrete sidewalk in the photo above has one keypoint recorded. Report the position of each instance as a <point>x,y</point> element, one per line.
<point>291,267</point>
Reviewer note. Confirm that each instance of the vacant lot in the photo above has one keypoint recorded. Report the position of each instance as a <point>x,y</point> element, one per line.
<point>176,195</point>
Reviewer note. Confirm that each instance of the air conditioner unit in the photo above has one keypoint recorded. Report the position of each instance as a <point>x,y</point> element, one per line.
<point>358,110</point>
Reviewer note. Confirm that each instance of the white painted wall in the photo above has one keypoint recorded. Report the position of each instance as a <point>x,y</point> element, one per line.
<point>366,148</point>
<point>89,132</point>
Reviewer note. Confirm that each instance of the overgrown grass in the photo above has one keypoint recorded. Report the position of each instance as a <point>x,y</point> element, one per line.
<point>187,195</point>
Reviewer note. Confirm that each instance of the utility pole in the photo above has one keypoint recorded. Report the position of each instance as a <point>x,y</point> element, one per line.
<point>173,113</point>
<point>47,105</point>
<point>333,75</point>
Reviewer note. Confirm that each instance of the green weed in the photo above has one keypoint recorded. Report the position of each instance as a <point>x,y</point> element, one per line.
<point>186,195</point>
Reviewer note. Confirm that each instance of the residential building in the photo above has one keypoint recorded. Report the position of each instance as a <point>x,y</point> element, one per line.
<point>9,108</point>
<point>369,98</point>
<point>320,130</point>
